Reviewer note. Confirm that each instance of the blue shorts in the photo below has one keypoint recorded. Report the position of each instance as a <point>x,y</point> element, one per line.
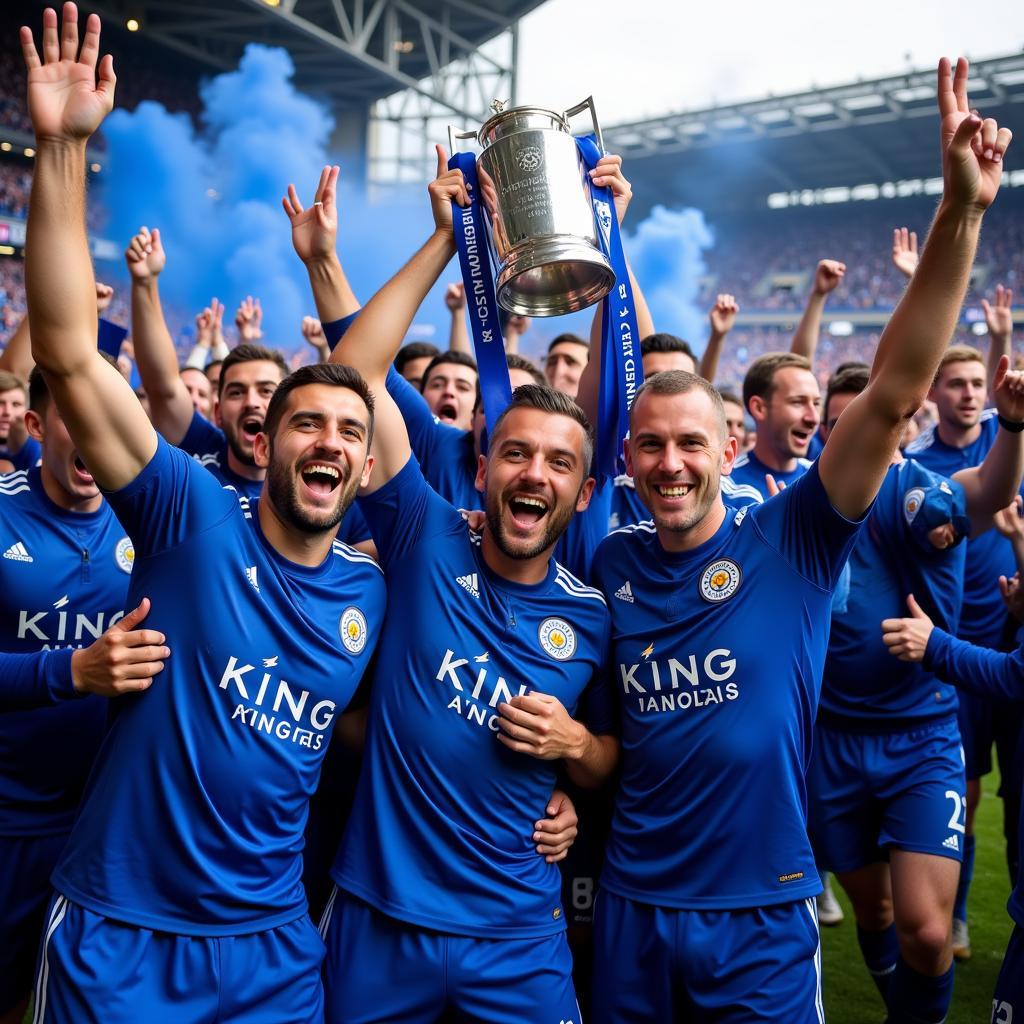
<point>94,969</point>
<point>1009,993</point>
<point>870,791</point>
<point>985,721</point>
<point>26,863</point>
<point>708,966</point>
<point>382,969</point>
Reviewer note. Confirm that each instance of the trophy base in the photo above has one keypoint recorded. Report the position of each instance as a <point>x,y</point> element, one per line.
<point>553,277</point>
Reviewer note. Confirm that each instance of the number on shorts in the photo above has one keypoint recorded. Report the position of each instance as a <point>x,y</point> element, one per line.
<point>582,893</point>
<point>1002,1013</point>
<point>959,804</point>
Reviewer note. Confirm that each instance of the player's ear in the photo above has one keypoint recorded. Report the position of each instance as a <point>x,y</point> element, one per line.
<point>758,407</point>
<point>367,470</point>
<point>481,474</point>
<point>627,454</point>
<point>729,453</point>
<point>586,492</point>
<point>261,449</point>
<point>34,424</point>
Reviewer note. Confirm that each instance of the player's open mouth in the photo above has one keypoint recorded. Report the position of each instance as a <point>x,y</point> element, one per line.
<point>321,477</point>
<point>527,510</point>
<point>81,472</point>
<point>251,427</point>
<point>673,490</point>
<point>448,412</point>
<point>802,437</point>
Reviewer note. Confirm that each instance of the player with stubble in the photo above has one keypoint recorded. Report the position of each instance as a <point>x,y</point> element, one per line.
<point>706,909</point>
<point>179,894</point>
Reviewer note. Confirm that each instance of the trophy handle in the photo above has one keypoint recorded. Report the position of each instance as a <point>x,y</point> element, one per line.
<point>587,104</point>
<point>454,135</point>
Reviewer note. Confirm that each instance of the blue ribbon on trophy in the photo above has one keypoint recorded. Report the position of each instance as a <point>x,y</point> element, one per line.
<point>621,368</point>
<point>481,300</point>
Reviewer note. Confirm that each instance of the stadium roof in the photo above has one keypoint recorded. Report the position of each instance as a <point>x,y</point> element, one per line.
<point>354,51</point>
<point>878,131</point>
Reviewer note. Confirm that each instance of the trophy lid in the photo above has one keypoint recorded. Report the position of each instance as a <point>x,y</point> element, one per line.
<point>508,121</point>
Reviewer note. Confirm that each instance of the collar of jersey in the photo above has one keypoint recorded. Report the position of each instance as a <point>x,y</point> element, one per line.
<point>35,482</point>
<point>681,559</point>
<point>511,586</point>
<point>290,567</point>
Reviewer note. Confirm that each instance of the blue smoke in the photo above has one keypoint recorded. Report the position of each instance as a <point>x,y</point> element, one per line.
<point>666,253</point>
<point>215,193</point>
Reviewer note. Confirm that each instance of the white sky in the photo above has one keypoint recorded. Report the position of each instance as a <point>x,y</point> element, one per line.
<point>681,56</point>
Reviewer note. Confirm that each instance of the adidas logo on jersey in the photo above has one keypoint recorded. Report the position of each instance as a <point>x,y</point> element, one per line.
<point>250,575</point>
<point>18,553</point>
<point>952,843</point>
<point>469,584</point>
<point>625,592</point>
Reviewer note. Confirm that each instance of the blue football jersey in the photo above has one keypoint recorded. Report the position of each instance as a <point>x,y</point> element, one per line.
<point>63,580</point>
<point>989,556</point>
<point>27,456</point>
<point>717,656</point>
<point>448,463</point>
<point>745,484</point>
<point>440,832</point>
<point>192,821</point>
<point>864,686</point>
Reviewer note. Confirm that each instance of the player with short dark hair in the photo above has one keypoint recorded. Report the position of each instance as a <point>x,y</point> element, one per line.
<point>567,357</point>
<point>666,352</point>
<point>413,359</point>
<point>440,902</point>
<point>718,921</point>
<point>185,859</point>
<point>449,383</point>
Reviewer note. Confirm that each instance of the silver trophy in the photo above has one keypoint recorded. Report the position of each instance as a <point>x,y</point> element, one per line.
<point>535,193</point>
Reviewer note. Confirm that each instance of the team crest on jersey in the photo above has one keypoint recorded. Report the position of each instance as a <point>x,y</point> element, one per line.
<point>557,638</point>
<point>124,554</point>
<point>720,580</point>
<point>912,501</point>
<point>352,628</point>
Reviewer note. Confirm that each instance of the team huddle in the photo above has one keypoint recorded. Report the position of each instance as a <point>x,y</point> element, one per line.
<point>761,654</point>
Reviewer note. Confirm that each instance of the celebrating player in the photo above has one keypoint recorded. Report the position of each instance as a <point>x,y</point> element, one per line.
<point>179,895</point>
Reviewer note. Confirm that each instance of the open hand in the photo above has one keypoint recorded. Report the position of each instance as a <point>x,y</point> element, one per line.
<point>315,231</point>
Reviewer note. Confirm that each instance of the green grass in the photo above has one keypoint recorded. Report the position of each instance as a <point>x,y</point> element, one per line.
<point>850,994</point>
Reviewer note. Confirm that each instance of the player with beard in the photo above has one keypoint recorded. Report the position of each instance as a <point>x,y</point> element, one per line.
<point>720,628</point>
<point>441,903</point>
<point>249,375</point>
<point>965,432</point>
<point>185,859</point>
<point>783,398</point>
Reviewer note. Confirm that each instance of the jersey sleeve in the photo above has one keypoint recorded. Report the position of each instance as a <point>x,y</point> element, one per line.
<point>974,668</point>
<point>202,437</point>
<point>172,499</point>
<point>801,524</point>
<point>334,330</point>
<point>354,529</point>
<point>425,432</point>
<point>36,680</point>
<point>405,511</point>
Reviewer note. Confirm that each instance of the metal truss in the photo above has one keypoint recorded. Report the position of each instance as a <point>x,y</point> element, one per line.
<point>993,83</point>
<point>415,64</point>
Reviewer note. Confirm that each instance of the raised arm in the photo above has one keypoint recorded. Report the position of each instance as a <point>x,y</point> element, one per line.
<point>722,317</point>
<point>67,104</point>
<point>17,356</point>
<point>608,172</point>
<point>315,237</point>
<point>861,446</point>
<point>999,320</point>
<point>169,401</point>
<point>827,276</point>
<point>458,332</point>
<point>373,340</point>
<point>992,485</point>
